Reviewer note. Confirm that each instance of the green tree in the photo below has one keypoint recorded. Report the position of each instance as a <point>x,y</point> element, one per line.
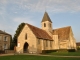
<point>11,46</point>
<point>17,32</point>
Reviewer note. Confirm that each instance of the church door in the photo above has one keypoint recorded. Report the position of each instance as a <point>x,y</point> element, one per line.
<point>25,47</point>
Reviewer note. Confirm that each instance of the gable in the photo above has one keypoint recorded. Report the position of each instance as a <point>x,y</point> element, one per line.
<point>26,33</point>
<point>63,33</point>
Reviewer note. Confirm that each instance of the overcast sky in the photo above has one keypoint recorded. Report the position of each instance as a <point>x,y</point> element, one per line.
<point>62,13</point>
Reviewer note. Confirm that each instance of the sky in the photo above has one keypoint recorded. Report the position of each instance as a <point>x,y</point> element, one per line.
<point>62,13</point>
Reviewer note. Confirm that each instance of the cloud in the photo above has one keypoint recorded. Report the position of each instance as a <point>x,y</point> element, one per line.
<point>3,2</point>
<point>15,12</point>
<point>42,5</point>
<point>7,28</point>
<point>23,19</point>
<point>50,5</point>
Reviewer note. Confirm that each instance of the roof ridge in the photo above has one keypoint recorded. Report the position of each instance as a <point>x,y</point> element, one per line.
<point>62,27</point>
<point>2,32</point>
<point>35,26</point>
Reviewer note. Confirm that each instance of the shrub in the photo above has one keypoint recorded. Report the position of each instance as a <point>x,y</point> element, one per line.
<point>71,50</point>
<point>2,52</point>
<point>49,51</point>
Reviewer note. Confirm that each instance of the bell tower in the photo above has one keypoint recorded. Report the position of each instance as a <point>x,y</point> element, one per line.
<point>46,23</point>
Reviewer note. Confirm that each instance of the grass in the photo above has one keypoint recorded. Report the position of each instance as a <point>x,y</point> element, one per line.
<point>65,53</point>
<point>34,57</point>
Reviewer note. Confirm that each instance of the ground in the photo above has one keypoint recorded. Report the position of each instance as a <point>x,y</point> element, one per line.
<point>48,56</point>
<point>36,57</point>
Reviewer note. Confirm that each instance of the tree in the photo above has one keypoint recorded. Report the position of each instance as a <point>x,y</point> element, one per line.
<point>11,43</point>
<point>17,32</point>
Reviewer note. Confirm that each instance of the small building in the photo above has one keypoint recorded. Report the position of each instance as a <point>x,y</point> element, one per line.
<point>4,40</point>
<point>34,40</point>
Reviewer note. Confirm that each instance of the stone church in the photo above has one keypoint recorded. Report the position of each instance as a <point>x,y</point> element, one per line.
<point>34,40</point>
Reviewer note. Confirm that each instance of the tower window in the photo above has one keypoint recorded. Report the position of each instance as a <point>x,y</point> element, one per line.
<point>44,24</point>
<point>26,36</point>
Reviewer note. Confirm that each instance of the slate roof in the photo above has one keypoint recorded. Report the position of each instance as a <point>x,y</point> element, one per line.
<point>63,33</point>
<point>39,33</point>
<point>46,17</point>
<point>2,32</point>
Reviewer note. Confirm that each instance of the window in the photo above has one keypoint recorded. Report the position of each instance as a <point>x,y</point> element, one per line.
<point>1,47</point>
<point>0,37</point>
<point>44,24</point>
<point>5,46</point>
<point>50,43</point>
<point>26,36</point>
<point>50,25</point>
<point>46,43</point>
<point>5,38</point>
<point>38,41</point>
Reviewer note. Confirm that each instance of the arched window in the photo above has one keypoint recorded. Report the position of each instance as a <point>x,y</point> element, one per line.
<point>44,24</point>
<point>26,36</point>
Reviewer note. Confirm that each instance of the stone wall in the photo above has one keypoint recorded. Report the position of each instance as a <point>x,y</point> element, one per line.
<point>31,40</point>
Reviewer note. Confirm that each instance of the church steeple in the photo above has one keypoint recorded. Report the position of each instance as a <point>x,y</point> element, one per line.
<point>46,23</point>
<point>46,18</point>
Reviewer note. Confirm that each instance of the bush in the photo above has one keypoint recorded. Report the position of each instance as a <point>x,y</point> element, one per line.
<point>2,52</point>
<point>62,50</point>
<point>49,51</point>
<point>78,48</point>
<point>66,50</point>
<point>71,50</point>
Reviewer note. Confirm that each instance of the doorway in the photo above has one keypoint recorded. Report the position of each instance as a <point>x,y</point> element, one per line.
<point>25,48</point>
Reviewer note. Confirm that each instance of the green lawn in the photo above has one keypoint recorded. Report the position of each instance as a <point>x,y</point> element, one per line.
<point>33,57</point>
<point>65,53</point>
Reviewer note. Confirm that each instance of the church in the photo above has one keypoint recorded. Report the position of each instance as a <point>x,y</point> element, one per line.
<point>34,40</point>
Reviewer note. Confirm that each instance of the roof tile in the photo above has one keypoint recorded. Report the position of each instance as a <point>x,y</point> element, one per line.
<point>39,33</point>
<point>2,32</point>
<point>46,17</point>
<point>63,33</point>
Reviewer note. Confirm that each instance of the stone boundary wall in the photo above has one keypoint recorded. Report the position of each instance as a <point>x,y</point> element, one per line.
<point>9,51</point>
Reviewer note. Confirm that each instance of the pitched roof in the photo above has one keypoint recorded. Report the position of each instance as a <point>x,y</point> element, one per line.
<point>2,32</point>
<point>63,33</point>
<point>78,43</point>
<point>46,17</point>
<point>39,33</point>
